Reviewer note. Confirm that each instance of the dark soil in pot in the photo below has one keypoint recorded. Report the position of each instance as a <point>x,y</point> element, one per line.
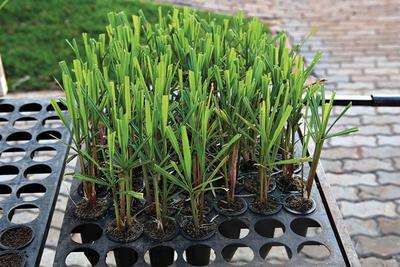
<point>85,211</point>
<point>101,191</point>
<point>16,237</point>
<point>298,204</point>
<point>272,206</point>
<point>252,186</point>
<point>187,211</point>
<point>169,231</point>
<point>128,234</point>
<point>205,231</point>
<point>294,184</point>
<point>12,259</point>
<point>230,208</point>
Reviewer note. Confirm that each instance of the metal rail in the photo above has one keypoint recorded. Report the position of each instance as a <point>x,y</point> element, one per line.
<point>367,100</point>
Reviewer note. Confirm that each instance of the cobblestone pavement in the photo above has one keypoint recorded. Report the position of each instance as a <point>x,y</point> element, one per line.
<point>361,45</point>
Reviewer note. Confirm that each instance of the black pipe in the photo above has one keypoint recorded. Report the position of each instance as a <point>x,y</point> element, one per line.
<point>367,100</point>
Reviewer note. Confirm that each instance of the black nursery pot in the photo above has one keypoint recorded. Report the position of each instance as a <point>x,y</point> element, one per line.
<point>16,237</point>
<point>12,258</point>
<point>297,212</point>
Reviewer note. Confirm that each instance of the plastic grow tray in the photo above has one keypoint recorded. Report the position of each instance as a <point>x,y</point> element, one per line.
<point>282,238</point>
<point>33,152</point>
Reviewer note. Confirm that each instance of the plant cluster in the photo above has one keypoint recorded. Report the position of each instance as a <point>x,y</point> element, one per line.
<point>176,116</point>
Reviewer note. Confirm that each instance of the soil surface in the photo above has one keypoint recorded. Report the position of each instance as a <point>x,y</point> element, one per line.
<point>247,166</point>
<point>299,203</point>
<point>231,206</point>
<point>128,234</point>
<point>270,207</point>
<point>153,231</point>
<point>252,185</point>
<point>290,185</point>
<point>204,229</point>
<point>186,209</point>
<point>16,237</point>
<point>86,211</point>
<point>11,260</point>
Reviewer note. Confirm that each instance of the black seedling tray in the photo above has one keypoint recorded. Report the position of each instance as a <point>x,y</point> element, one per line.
<point>33,153</point>
<point>259,240</point>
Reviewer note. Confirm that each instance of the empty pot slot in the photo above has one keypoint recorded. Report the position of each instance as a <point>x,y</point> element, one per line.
<point>237,254</point>
<point>160,256</point>
<point>30,108</point>
<point>37,172</point>
<point>18,138</point>
<point>48,137</point>
<point>86,233</point>
<point>31,192</point>
<point>121,257</point>
<point>306,227</point>
<point>24,213</point>
<point>234,228</point>
<point>3,122</point>
<point>6,109</point>
<point>270,228</point>
<point>59,104</point>
<point>43,154</point>
<point>12,154</point>
<point>313,252</point>
<point>53,122</point>
<point>25,123</point>
<point>5,192</point>
<point>8,172</point>
<point>199,255</point>
<point>16,237</point>
<point>275,253</point>
<point>82,257</point>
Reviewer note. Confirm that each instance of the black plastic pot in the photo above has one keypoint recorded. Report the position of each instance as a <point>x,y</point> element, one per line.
<point>13,228</point>
<point>231,213</point>
<point>309,211</point>
<point>8,258</point>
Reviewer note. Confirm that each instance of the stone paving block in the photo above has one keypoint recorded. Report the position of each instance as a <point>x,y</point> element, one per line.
<point>389,226</point>
<point>361,227</point>
<point>383,192</point>
<point>368,209</point>
<point>385,246</point>
<point>368,165</point>
<point>353,179</point>
<point>389,178</point>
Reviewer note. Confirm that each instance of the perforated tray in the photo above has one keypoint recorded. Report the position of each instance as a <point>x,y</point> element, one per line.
<point>32,158</point>
<point>285,233</point>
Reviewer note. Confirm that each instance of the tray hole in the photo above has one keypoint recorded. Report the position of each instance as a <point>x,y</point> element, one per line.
<point>1,212</point>
<point>48,137</point>
<point>86,233</point>
<point>237,254</point>
<point>12,154</point>
<point>24,213</point>
<point>6,109</point>
<point>270,228</point>
<point>16,237</point>
<point>275,253</point>
<point>199,255</point>
<point>121,257</point>
<point>160,256</point>
<point>31,192</point>
<point>3,122</point>
<point>306,227</point>
<point>60,105</point>
<point>8,172</point>
<point>37,172</point>
<point>234,229</point>
<point>5,192</point>
<point>30,108</point>
<point>43,154</point>
<point>313,252</point>
<point>25,123</point>
<point>82,257</point>
<point>53,122</point>
<point>18,138</point>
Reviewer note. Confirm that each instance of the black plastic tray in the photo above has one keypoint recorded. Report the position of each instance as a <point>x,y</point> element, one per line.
<point>28,126</point>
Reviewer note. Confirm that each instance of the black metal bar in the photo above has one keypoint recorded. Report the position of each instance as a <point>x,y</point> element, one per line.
<point>367,100</point>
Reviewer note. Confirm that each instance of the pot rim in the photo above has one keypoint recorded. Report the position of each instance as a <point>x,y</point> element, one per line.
<point>295,212</point>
